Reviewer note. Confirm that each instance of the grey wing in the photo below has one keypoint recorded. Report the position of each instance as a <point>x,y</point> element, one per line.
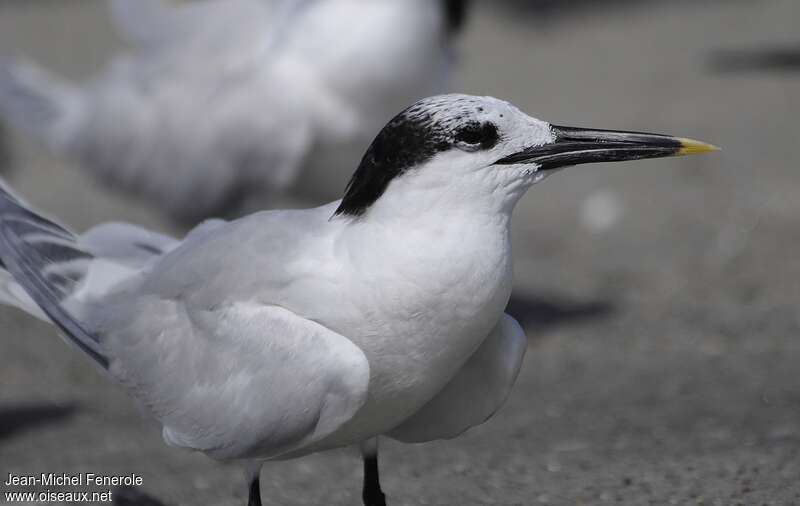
<point>111,253</point>
<point>240,381</point>
<point>49,272</point>
<point>125,243</point>
<point>479,389</point>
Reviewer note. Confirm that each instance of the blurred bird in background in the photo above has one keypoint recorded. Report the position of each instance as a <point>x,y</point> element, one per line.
<point>220,104</point>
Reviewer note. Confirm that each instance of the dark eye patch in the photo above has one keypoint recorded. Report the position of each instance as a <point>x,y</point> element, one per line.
<point>484,135</point>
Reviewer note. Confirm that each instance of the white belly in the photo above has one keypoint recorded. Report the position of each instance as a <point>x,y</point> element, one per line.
<point>415,348</point>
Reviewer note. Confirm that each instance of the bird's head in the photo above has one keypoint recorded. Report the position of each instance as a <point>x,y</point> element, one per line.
<point>472,147</point>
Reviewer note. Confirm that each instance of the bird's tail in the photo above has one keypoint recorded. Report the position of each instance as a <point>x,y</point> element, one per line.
<point>42,266</point>
<point>38,103</point>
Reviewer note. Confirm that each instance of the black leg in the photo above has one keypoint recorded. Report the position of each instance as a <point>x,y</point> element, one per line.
<point>255,492</point>
<point>372,495</point>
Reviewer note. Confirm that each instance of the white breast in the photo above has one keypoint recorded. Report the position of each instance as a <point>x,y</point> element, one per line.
<point>419,309</point>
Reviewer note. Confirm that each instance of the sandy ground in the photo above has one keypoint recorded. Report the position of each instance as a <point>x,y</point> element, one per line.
<point>660,297</point>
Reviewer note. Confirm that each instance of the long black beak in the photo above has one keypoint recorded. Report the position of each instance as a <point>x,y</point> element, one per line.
<point>574,146</point>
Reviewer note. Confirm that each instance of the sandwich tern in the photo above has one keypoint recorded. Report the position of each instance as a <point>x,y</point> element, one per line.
<point>220,104</point>
<point>289,332</point>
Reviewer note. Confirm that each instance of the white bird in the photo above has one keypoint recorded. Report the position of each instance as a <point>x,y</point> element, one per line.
<point>290,332</point>
<point>222,103</point>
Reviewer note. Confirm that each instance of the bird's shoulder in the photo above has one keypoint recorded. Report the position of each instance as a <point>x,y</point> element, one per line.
<point>250,257</point>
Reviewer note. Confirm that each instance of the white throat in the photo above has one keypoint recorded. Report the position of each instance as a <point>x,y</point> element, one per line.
<point>433,192</point>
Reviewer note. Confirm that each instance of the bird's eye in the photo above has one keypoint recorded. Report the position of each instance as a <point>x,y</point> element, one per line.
<point>475,136</point>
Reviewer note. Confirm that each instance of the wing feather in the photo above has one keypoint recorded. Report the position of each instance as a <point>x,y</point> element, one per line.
<point>238,381</point>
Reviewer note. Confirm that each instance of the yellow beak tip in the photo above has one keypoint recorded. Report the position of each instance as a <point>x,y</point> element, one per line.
<point>693,147</point>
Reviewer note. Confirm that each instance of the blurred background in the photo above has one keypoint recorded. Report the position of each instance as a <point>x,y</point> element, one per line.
<point>660,298</point>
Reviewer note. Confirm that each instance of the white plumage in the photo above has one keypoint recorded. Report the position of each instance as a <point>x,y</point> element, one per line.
<point>290,332</point>
<point>287,332</point>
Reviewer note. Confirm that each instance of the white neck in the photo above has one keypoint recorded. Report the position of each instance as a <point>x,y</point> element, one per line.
<point>430,193</point>
<point>430,226</point>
